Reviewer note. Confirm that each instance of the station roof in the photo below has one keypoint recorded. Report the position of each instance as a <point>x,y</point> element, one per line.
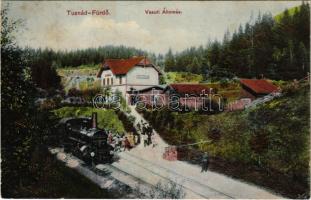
<point>123,66</point>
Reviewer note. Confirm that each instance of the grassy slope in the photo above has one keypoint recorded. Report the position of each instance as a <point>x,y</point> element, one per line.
<point>106,118</point>
<point>270,143</point>
<point>281,119</point>
<point>182,77</point>
<point>81,70</point>
<point>231,90</point>
<point>84,70</point>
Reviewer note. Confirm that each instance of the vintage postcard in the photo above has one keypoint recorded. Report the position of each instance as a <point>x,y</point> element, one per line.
<point>155,100</point>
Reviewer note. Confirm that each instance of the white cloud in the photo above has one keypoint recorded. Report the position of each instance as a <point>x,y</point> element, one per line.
<point>48,25</point>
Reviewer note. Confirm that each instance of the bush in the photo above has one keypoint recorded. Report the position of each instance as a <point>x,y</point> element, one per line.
<point>127,121</point>
<point>48,104</point>
<point>214,134</point>
<point>90,93</point>
<point>168,190</point>
<point>74,92</point>
<point>106,118</point>
<point>224,82</point>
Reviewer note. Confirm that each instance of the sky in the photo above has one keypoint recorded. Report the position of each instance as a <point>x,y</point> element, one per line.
<point>47,23</point>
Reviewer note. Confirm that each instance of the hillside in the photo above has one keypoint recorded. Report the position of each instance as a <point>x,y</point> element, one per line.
<point>107,118</point>
<point>182,77</point>
<point>83,70</point>
<point>267,145</point>
<point>81,77</point>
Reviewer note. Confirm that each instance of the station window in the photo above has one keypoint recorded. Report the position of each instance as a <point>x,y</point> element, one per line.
<point>111,81</point>
<point>120,80</point>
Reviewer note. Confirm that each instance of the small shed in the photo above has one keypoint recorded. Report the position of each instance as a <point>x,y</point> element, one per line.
<point>170,153</point>
<point>255,88</point>
<point>189,94</point>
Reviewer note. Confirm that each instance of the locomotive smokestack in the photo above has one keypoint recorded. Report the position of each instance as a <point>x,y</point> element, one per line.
<point>94,120</point>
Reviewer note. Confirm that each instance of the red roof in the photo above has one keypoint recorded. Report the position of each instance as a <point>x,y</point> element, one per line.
<point>260,86</point>
<point>122,66</point>
<point>190,88</point>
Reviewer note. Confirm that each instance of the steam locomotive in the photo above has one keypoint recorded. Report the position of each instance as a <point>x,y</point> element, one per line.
<point>84,139</point>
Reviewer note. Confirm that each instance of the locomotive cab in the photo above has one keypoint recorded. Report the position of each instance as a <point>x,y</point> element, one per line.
<point>104,151</point>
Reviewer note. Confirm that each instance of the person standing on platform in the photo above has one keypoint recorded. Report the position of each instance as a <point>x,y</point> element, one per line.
<point>110,137</point>
<point>145,140</point>
<point>149,133</point>
<point>205,162</point>
<point>153,140</point>
<point>127,144</point>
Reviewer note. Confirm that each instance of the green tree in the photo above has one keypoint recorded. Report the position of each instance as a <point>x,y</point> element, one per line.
<point>195,66</point>
<point>169,61</point>
<point>303,57</point>
<point>17,98</point>
<point>23,127</point>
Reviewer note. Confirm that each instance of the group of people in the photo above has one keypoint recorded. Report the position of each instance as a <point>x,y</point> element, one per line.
<point>147,134</point>
<point>122,142</point>
<point>118,141</point>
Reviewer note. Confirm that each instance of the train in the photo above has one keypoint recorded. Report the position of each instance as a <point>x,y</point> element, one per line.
<point>83,138</point>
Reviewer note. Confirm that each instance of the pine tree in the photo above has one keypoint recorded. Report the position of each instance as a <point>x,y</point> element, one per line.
<point>195,66</point>
<point>169,61</point>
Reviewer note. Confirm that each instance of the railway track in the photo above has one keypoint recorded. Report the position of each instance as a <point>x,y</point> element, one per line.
<point>197,185</point>
<point>106,176</point>
<point>142,175</point>
<point>153,173</point>
<point>129,171</point>
<point>207,191</point>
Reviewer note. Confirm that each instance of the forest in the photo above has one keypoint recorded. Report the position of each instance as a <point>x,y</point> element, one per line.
<point>275,47</point>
